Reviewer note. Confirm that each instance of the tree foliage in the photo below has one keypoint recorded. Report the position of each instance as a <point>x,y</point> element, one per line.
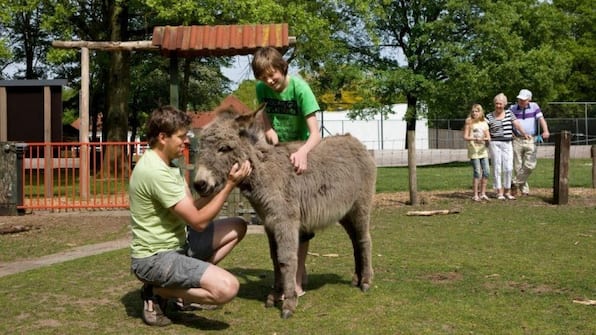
<point>443,56</point>
<point>438,56</point>
<point>24,38</point>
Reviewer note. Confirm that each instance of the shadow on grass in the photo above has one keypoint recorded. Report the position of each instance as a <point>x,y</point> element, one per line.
<point>467,195</point>
<point>463,195</point>
<point>133,304</point>
<point>255,284</point>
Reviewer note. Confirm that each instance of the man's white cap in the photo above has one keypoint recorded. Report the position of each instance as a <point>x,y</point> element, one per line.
<point>524,95</point>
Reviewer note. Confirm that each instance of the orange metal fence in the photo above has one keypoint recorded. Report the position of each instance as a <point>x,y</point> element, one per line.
<point>63,176</point>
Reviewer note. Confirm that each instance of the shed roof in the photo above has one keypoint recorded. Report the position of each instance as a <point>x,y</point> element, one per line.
<point>33,82</point>
<point>220,40</point>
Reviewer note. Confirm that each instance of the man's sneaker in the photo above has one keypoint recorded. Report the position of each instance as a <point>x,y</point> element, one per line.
<point>153,313</point>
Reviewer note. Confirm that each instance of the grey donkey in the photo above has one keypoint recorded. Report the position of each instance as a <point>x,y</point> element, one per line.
<point>338,186</point>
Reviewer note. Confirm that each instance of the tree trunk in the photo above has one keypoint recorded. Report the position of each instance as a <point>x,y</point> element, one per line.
<point>116,120</point>
<point>411,146</point>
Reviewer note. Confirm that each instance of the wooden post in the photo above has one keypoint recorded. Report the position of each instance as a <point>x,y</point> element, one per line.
<point>594,166</point>
<point>411,138</point>
<point>174,85</point>
<point>48,157</point>
<point>561,177</point>
<point>84,127</point>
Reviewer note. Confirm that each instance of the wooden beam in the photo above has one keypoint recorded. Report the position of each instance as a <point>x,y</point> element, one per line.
<point>106,45</point>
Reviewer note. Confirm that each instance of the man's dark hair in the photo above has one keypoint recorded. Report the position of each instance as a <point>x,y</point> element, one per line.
<point>167,120</point>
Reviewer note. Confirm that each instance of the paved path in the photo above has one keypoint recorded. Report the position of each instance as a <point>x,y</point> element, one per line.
<point>84,251</point>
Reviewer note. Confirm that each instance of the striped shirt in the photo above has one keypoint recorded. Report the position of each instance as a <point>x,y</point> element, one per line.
<point>528,117</point>
<point>501,130</point>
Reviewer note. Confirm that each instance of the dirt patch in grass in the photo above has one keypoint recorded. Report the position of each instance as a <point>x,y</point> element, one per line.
<point>541,197</point>
<point>444,277</point>
<point>91,223</point>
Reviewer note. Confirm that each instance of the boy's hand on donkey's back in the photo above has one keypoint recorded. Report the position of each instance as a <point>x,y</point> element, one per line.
<point>271,136</point>
<point>239,172</point>
<point>299,159</point>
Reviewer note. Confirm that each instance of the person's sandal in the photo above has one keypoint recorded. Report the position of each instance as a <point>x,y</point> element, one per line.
<point>155,316</point>
<point>509,197</point>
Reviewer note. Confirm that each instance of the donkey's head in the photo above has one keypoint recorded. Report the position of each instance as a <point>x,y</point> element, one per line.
<point>230,138</point>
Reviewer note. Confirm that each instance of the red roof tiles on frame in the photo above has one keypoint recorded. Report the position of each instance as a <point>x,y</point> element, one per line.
<point>220,40</point>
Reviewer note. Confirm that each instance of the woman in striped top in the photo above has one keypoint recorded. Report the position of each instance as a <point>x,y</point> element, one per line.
<point>500,124</point>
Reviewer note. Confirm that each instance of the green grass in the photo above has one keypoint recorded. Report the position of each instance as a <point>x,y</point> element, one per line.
<point>510,267</point>
<point>479,271</point>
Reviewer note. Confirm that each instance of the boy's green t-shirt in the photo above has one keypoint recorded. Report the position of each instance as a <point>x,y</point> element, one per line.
<point>288,109</point>
<point>155,187</point>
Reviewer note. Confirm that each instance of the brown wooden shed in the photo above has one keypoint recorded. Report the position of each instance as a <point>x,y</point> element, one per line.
<point>31,110</point>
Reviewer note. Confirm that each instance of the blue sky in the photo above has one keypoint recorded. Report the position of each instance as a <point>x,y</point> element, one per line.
<point>239,71</point>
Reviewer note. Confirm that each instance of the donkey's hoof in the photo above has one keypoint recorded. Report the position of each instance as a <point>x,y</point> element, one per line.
<point>286,314</point>
<point>364,287</point>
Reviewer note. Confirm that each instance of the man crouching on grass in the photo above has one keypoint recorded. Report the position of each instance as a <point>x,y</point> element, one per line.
<point>175,242</point>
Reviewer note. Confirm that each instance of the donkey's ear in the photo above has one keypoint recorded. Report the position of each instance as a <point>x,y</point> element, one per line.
<point>245,121</point>
<point>252,120</point>
<point>260,115</point>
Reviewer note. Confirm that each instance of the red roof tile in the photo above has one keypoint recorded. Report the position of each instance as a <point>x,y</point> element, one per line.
<point>220,40</point>
<point>200,119</point>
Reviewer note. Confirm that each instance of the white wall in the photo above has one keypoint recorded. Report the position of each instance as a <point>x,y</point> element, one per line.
<point>377,133</point>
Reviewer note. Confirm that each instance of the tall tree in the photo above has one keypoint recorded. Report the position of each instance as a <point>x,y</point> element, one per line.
<point>578,38</point>
<point>24,39</point>
<point>442,56</point>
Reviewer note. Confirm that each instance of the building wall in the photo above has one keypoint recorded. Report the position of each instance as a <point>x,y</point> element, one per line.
<point>377,133</point>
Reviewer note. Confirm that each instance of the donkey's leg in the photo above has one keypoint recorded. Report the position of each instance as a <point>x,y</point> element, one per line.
<point>356,223</point>
<point>346,222</point>
<point>277,291</point>
<point>287,250</point>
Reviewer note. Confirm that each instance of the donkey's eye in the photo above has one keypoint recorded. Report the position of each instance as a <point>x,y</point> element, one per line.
<point>224,149</point>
